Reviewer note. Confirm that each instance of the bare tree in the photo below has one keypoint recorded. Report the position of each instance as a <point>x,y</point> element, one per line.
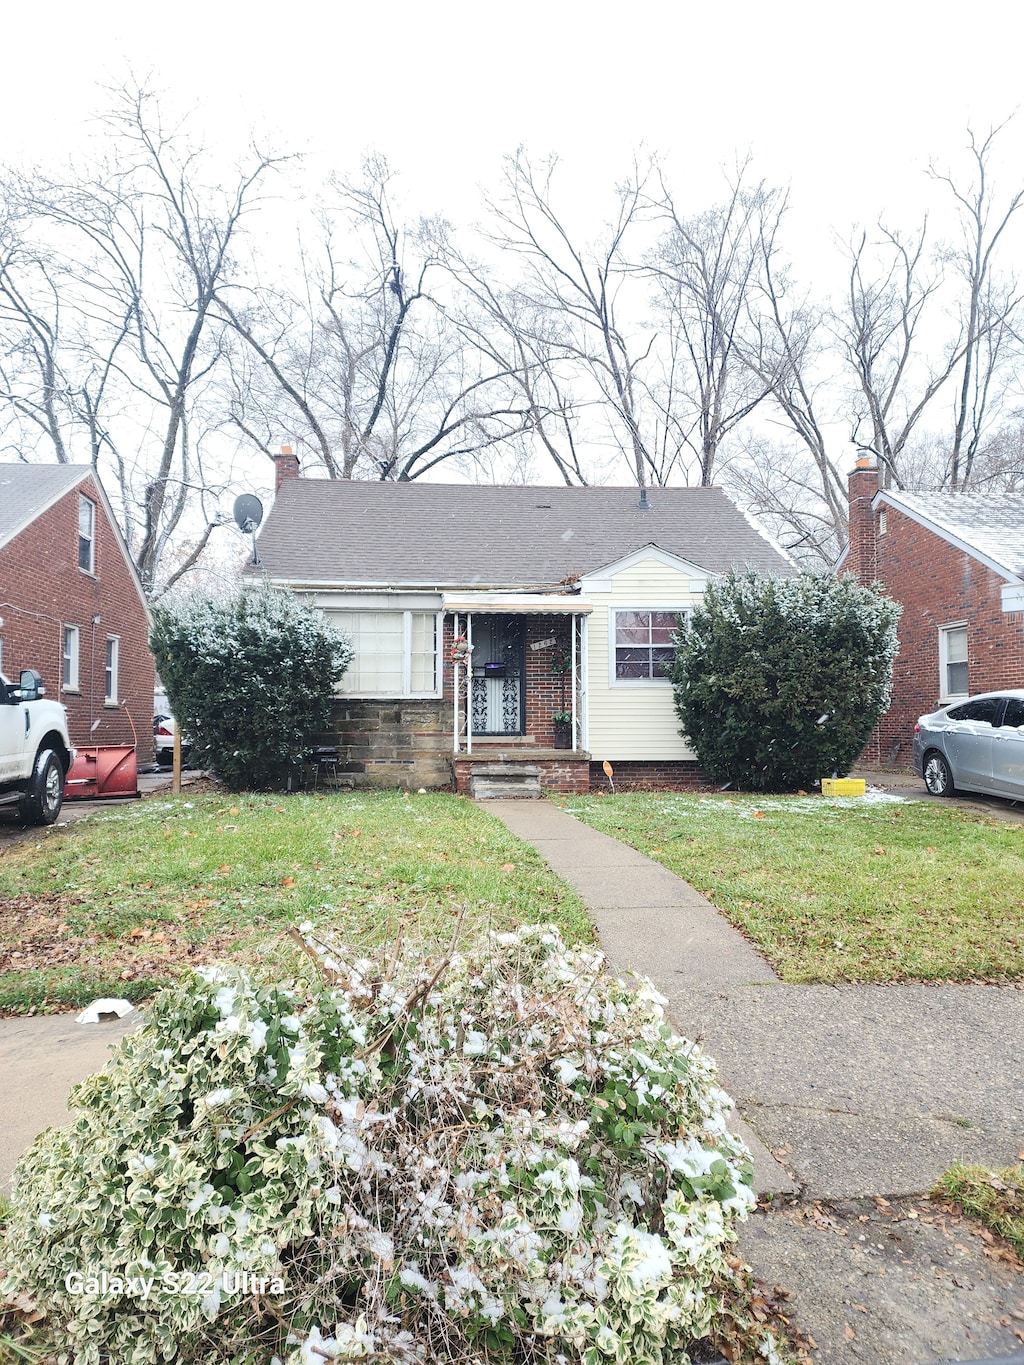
<point>780,482</point>
<point>708,268</point>
<point>988,305</point>
<point>361,359</point>
<point>893,290</point>
<point>116,319</point>
<point>569,318</point>
<point>787,346</point>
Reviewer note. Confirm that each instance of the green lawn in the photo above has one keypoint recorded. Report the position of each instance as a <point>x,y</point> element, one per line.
<point>851,890</point>
<point>121,902</point>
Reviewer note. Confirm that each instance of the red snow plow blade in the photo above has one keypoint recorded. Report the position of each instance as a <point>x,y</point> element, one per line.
<point>103,770</point>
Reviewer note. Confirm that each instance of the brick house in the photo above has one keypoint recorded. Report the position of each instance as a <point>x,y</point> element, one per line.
<point>71,604</point>
<point>505,636</point>
<point>956,563</point>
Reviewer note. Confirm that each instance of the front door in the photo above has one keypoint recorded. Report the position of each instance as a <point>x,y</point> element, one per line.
<point>498,667</point>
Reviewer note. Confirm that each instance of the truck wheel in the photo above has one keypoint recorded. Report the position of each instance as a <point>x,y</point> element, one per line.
<point>45,793</point>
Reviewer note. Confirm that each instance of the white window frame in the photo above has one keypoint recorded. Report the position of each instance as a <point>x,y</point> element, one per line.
<point>944,633</point>
<point>89,538</point>
<point>111,669</point>
<point>70,654</point>
<point>406,692</point>
<point>613,612</point>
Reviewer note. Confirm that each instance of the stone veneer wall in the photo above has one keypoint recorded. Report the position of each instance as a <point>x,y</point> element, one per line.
<point>392,743</point>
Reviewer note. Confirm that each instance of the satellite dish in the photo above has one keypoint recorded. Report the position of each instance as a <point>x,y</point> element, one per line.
<point>248,512</point>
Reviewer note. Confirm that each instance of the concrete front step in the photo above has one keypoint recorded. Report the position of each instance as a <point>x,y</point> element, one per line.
<point>497,781</point>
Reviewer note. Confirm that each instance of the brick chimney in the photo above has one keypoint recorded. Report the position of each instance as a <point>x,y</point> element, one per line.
<point>286,466</point>
<point>863,485</point>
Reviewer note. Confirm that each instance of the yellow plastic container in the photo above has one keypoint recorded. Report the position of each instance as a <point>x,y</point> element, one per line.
<point>842,786</point>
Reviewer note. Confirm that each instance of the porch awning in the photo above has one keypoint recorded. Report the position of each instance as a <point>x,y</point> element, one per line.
<point>521,603</point>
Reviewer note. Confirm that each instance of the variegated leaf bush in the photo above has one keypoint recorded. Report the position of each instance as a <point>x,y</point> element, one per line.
<point>502,1155</point>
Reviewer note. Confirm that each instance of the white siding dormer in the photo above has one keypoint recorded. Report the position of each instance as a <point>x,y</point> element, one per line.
<point>634,718</point>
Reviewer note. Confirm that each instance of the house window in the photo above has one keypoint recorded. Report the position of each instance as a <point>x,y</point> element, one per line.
<point>110,671</point>
<point>86,534</point>
<point>953,661</point>
<point>396,653</point>
<point>69,673</point>
<point>643,649</point>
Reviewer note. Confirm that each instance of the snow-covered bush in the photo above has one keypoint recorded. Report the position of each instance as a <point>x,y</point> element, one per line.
<point>504,1156</point>
<point>780,681</point>
<point>250,678</point>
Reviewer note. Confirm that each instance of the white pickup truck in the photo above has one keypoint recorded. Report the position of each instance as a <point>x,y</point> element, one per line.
<point>35,751</point>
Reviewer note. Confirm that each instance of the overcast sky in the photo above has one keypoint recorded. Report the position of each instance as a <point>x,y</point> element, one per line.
<point>845,102</point>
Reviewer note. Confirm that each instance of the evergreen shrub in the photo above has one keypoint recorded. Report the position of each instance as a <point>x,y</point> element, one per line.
<point>250,679</point>
<point>780,681</point>
<point>503,1156</point>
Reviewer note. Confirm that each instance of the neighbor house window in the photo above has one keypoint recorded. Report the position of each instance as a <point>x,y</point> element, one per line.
<point>86,534</point>
<point>69,675</point>
<point>953,661</point>
<point>396,653</point>
<point>643,648</point>
<point>110,671</point>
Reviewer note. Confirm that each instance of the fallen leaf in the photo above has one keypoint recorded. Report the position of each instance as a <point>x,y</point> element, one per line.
<point>759,815</point>
<point>849,1333</point>
<point>508,867</point>
<point>234,811</point>
<point>287,881</point>
<point>158,938</point>
<point>224,867</point>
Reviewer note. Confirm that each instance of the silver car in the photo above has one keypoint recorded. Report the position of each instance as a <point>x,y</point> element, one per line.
<point>976,746</point>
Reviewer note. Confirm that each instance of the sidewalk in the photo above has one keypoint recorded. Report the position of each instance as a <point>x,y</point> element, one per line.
<point>863,1093</point>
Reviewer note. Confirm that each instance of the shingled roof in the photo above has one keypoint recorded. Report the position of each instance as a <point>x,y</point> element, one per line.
<point>991,525</point>
<point>27,490</point>
<point>357,534</point>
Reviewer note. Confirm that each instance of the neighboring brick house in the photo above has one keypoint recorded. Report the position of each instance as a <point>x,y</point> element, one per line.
<point>72,605</point>
<point>956,563</point>
<point>569,597</point>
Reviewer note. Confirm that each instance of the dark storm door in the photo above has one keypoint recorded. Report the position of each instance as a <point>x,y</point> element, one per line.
<point>498,669</point>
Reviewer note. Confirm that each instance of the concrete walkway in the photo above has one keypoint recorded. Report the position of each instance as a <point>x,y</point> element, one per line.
<point>40,1060</point>
<point>846,1095</point>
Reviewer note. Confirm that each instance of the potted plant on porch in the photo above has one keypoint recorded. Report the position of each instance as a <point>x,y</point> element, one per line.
<point>561,722</point>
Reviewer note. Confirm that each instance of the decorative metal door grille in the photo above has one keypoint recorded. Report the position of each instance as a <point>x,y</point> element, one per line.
<point>498,661</point>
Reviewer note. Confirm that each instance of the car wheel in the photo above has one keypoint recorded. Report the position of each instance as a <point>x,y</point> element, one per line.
<point>937,776</point>
<point>45,794</point>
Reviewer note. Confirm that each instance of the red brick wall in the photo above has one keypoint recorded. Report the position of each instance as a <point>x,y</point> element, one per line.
<point>544,689</point>
<point>938,585</point>
<point>861,560</point>
<point>42,590</point>
<point>671,775</point>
